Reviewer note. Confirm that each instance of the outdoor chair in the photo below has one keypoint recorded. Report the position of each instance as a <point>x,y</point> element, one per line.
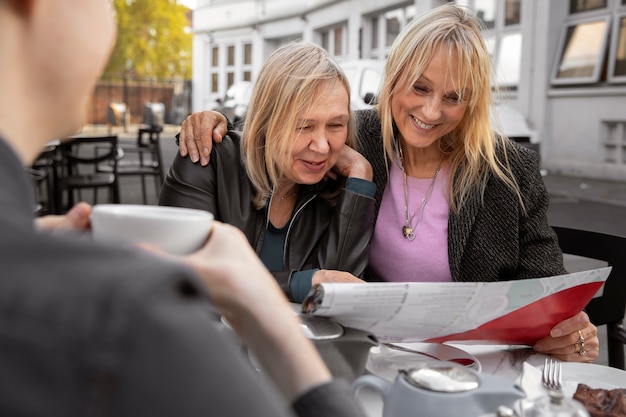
<point>142,159</point>
<point>43,174</point>
<point>608,309</point>
<point>80,157</point>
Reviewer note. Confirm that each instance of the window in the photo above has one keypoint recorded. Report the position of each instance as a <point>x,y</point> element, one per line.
<point>374,40</point>
<point>617,63</point>
<point>503,37</point>
<point>338,42</point>
<point>388,25</point>
<point>509,59</point>
<point>593,44</point>
<point>393,21</point>
<point>512,12</point>
<point>215,53</point>
<point>486,11</point>
<point>578,6</point>
<point>214,82</point>
<point>246,67</point>
<point>583,46</point>
<point>231,55</point>
<point>334,40</point>
<point>214,69</point>
<point>247,53</point>
<point>325,40</point>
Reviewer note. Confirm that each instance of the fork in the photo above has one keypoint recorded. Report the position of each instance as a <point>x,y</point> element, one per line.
<point>551,377</point>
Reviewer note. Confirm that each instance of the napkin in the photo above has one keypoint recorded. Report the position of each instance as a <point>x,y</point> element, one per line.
<point>530,381</point>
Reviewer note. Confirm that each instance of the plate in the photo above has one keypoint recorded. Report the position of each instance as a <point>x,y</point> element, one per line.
<point>385,361</point>
<point>594,375</point>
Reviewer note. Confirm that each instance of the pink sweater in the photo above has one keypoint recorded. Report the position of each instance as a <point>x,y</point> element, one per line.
<point>393,257</point>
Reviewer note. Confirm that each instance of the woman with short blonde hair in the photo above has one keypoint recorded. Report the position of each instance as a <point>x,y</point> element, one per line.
<point>289,82</point>
<point>291,181</point>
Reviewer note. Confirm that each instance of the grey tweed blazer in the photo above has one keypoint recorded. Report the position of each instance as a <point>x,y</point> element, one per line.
<point>492,239</point>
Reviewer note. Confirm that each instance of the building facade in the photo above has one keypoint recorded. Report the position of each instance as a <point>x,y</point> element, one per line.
<point>560,64</point>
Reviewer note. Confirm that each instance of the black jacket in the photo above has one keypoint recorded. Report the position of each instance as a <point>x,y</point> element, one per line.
<point>320,235</point>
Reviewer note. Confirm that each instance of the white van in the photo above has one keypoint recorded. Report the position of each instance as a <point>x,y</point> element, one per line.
<point>364,76</point>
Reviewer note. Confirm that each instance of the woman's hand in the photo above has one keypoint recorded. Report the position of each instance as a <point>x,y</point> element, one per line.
<point>351,164</point>
<point>77,219</point>
<point>572,340</point>
<point>331,275</point>
<point>198,132</point>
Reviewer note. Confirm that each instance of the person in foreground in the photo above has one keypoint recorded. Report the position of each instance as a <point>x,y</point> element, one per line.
<point>291,180</point>
<point>97,330</point>
<point>460,203</point>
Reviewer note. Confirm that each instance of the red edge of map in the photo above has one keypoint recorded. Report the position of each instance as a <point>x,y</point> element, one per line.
<point>532,322</point>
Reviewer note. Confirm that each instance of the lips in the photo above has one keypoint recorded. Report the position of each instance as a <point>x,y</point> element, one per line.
<point>421,124</point>
<point>315,166</point>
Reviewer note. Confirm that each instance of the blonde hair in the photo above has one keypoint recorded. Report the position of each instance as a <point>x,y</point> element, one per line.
<point>473,142</point>
<point>286,87</point>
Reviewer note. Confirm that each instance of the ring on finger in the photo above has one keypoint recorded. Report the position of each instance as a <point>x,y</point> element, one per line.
<point>580,348</point>
<point>581,339</point>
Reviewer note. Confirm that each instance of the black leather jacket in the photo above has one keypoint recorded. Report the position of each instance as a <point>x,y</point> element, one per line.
<point>320,235</point>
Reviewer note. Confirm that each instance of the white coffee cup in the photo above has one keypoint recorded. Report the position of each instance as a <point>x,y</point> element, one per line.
<point>172,229</point>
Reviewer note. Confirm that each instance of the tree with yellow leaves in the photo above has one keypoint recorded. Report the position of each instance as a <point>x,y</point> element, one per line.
<point>154,40</point>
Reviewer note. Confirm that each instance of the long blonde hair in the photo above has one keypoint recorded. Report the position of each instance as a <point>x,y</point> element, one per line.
<point>473,142</point>
<point>285,88</point>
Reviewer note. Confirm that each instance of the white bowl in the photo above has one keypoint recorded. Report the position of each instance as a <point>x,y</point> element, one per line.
<point>173,229</point>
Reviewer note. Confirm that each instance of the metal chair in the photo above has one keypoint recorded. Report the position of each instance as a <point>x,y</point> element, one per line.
<point>142,159</point>
<point>610,308</point>
<point>80,158</point>
<point>43,174</point>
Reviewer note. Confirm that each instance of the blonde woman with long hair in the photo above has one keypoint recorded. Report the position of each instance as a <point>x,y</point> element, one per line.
<point>291,181</point>
<point>455,201</point>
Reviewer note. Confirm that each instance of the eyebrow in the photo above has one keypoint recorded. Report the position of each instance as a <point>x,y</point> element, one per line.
<point>341,117</point>
<point>463,92</point>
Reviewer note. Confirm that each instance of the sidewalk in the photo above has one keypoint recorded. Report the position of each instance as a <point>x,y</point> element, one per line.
<point>600,191</point>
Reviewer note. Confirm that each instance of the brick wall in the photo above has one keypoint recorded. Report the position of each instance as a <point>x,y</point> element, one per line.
<point>135,94</point>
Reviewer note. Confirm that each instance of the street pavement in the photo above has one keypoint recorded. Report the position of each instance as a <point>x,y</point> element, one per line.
<point>598,191</point>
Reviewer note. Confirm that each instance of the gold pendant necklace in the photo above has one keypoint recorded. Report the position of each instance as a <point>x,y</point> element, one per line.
<point>408,230</point>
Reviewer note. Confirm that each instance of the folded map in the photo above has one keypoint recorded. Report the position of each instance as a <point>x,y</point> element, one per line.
<point>511,312</point>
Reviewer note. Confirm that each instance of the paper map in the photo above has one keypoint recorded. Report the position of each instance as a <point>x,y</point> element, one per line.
<point>512,312</point>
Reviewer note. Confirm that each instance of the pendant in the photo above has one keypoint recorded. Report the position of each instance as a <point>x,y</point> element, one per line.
<point>408,232</point>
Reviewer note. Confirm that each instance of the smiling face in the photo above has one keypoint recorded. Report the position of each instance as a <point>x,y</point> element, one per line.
<point>321,132</point>
<point>433,106</point>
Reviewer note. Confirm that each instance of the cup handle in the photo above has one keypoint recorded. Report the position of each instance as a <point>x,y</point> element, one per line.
<point>373,381</point>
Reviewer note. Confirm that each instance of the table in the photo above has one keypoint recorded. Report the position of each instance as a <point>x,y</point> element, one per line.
<point>520,364</point>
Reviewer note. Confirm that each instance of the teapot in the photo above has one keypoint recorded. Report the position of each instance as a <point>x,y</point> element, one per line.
<point>441,388</point>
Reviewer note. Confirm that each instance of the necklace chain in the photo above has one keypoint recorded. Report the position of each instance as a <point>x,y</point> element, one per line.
<point>408,230</point>
<point>292,194</point>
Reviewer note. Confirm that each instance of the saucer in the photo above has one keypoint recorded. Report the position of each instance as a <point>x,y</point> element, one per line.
<point>385,362</point>
<point>594,375</point>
